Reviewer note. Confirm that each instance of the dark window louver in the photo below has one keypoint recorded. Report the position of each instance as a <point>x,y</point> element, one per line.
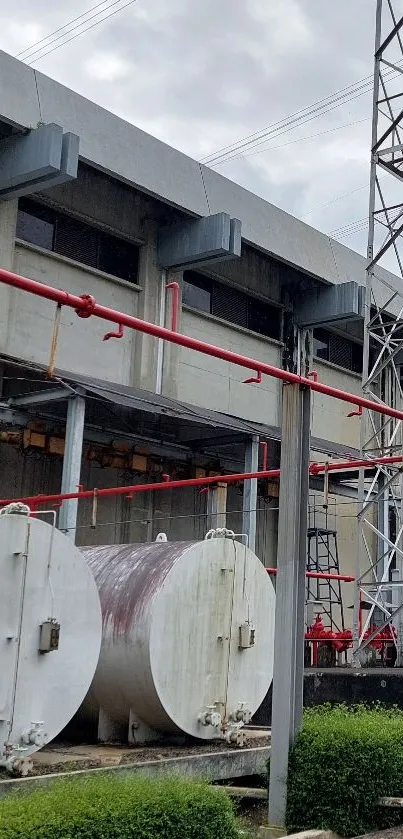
<point>76,241</point>
<point>340,352</point>
<point>60,233</point>
<point>229,304</point>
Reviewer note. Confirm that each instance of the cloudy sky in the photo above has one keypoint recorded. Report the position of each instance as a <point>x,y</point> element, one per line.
<point>204,74</point>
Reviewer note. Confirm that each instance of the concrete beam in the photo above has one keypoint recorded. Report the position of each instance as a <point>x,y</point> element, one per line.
<point>190,244</point>
<point>330,304</point>
<point>37,160</point>
<point>213,766</point>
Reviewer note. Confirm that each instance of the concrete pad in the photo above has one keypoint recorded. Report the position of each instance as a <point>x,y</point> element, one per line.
<point>211,766</point>
<point>267,832</point>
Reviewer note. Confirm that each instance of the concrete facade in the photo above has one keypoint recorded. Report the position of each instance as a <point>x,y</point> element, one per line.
<point>131,185</point>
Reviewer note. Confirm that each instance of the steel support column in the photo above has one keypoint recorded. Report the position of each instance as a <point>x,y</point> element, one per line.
<point>72,464</point>
<point>249,514</point>
<point>290,592</point>
<point>380,522</point>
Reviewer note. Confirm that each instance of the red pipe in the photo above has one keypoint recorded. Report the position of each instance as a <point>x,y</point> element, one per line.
<point>265,450</point>
<point>257,380</point>
<point>118,334</point>
<point>319,575</point>
<point>86,306</point>
<point>191,482</point>
<point>175,305</point>
<point>314,469</point>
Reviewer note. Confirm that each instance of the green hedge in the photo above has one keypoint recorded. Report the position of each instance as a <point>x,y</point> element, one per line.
<point>112,808</point>
<point>344,759</point>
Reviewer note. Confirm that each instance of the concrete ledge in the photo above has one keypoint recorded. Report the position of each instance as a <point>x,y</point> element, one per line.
<point>390,833</point>
<point>213,766</point>
<point>268,832</point>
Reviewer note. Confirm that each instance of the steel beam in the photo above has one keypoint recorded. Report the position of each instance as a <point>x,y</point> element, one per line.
<point>290,593</point>
<point>249,513</point>
<point>383,340</point>
<point>72,463</point>
<point>39,397</point>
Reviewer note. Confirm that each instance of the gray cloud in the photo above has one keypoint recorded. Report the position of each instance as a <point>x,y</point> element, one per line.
<point>203,74</point>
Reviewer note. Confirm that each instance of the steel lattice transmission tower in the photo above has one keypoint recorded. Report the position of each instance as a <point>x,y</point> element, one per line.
<point>380,556</point>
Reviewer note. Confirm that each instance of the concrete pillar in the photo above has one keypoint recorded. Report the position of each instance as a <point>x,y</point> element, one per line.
<point>249,514</point>
<point>8,222</point>
<point>290,592</point>
<point>217,507</point>
<point>144,362</point>
<point>154,363</point>
<point>72,464</point>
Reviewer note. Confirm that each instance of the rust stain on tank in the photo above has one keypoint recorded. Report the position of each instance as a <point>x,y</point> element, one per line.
<point>128,577</point>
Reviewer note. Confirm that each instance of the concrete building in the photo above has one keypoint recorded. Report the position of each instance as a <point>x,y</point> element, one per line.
<point>91,204</point>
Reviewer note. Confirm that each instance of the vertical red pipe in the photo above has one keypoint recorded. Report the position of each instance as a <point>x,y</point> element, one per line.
<point>175,305</point>
<point>265,450</point>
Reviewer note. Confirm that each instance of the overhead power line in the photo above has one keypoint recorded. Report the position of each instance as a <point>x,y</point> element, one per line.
<point>292,142</point>
<point>356,226</point>
<point>55,31</point>
<point>316,109</point>
<point>97,18</point>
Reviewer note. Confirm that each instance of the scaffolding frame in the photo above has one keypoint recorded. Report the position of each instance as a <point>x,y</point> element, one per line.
<point>380,521</point>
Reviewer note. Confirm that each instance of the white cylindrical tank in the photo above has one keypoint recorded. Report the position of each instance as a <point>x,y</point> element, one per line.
<point>188,633</point>
<point>50,634</point>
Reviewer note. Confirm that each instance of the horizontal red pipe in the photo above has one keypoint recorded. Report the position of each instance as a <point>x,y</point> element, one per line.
<point>314,469</point>
<point>319,575</point>
<point>131,490</point>
<point>211,480</point>
<point>86,306</point>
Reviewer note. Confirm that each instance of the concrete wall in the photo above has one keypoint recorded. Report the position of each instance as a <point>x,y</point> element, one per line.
<point>330,419</point>
<point>219,385</point>
<point>81,348</point>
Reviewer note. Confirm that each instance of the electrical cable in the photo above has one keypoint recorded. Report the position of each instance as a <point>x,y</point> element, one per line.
<point>55,31</point>
<point>292,142</point>
<point>87,29</point>
<point>333,200</point>
<point>318,108</point>
<point>359,226</point>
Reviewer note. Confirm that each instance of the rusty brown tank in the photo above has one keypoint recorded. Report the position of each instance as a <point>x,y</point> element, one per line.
<point>187,638</point>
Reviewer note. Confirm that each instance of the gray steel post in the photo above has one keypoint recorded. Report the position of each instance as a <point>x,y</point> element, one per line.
<point>290,592</point>
<point>72,463</point>
<point>249,514</point>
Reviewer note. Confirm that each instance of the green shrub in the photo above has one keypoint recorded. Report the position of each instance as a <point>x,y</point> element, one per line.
<point>343,760</point>
<point>114,808</point>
